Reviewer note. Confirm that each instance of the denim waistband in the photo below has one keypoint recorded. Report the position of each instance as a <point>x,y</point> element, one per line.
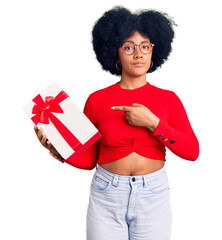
<point>137,178</point>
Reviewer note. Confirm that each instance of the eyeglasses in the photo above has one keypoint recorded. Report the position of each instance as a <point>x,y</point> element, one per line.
<point>129,48</point>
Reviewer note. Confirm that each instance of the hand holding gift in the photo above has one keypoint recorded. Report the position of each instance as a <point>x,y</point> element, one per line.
<point>65,130</point>
<point>47,144</point>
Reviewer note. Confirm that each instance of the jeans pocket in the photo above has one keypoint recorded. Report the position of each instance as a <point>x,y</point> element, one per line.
<point>100,183</point>
<point>159,185</point>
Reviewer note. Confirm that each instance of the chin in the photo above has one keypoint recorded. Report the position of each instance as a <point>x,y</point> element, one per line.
<point>138,73</point>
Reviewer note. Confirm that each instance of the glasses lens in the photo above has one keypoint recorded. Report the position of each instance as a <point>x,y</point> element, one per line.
<point>146,48</point>
<point>128,48</point>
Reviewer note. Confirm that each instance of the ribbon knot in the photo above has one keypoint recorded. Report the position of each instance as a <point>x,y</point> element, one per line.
<point>43,109</point>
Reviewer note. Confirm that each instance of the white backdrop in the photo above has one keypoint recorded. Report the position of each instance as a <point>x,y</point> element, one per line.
<point>42,41</point>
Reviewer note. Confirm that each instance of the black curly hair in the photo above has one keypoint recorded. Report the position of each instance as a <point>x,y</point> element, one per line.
<point>117,24</point>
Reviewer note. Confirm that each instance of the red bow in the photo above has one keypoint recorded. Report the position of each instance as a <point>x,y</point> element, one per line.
<point>43,111</point>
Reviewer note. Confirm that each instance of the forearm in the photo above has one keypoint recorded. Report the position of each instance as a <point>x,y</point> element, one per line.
<point>183,144</point>
<point>87,160</point>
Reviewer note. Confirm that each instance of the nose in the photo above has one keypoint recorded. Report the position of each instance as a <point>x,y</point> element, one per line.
<point>137,53</point>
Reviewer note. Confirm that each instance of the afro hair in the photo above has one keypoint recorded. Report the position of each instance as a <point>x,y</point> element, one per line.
<point>117,24</point>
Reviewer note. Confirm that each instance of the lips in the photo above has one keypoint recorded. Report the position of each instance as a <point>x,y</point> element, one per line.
<point>138,64</point>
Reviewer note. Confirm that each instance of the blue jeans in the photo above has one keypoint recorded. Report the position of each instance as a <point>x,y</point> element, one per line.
<point>129,207</point>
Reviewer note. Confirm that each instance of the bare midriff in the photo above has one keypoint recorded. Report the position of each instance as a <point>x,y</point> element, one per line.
<point>133,164</point>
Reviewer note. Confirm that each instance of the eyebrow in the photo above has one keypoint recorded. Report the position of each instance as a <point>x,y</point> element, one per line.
<point>133,42</point>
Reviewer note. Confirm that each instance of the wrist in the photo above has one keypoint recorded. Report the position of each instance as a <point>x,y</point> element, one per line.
<point>154,125</point>
<point>57,156</point>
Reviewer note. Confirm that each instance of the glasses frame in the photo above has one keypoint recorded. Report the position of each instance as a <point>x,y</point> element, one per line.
<point>135,45</point>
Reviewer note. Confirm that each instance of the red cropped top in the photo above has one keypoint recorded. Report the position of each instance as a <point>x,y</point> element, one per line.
<point>119,138</point>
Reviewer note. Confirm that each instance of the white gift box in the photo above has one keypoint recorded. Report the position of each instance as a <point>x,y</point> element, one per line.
<point>70,131</point>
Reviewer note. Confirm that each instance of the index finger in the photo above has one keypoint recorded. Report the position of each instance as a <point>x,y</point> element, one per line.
<point>124,108</point>
<point>36,129</point>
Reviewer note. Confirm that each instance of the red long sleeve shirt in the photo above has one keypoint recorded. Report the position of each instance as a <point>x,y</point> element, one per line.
<point>119,138</point>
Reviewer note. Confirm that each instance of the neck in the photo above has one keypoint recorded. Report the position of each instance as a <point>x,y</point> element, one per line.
<point>132,82</point>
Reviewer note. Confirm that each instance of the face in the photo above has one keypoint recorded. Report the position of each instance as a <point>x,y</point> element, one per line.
<point>128,61</point>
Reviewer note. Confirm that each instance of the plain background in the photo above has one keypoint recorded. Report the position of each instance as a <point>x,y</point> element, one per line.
<point>44,41</point>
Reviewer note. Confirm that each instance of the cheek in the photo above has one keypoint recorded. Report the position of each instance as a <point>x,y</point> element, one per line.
<point>126,61</point>
<point>148,57</point>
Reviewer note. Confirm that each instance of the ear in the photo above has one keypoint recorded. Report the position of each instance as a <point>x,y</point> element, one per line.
<point>118,55</point>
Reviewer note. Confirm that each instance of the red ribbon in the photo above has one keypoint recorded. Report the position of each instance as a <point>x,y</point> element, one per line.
<point>43,111</point>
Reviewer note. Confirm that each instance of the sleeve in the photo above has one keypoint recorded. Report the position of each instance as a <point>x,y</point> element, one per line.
<point>177,134</point>
<point>87,160</point>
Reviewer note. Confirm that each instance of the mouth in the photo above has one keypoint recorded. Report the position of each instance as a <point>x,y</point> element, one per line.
<point>138,64</point>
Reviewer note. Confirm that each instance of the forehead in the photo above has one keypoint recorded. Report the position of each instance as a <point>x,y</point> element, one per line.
<point>137,38</point>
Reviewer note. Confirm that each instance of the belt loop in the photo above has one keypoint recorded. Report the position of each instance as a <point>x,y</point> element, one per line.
<point>115,181</point>
<point>144,181</point>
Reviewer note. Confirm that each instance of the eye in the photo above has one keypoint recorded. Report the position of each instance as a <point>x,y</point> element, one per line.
<point>127,47</point>
<point>145,46</point>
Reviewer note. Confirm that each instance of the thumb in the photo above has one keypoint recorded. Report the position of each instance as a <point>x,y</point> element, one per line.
<point>136,105</point>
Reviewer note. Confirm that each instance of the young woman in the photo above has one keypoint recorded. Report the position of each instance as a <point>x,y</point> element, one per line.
<point>129,195</point>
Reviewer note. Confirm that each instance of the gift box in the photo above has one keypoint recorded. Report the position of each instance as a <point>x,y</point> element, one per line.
<point>65,125</point>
